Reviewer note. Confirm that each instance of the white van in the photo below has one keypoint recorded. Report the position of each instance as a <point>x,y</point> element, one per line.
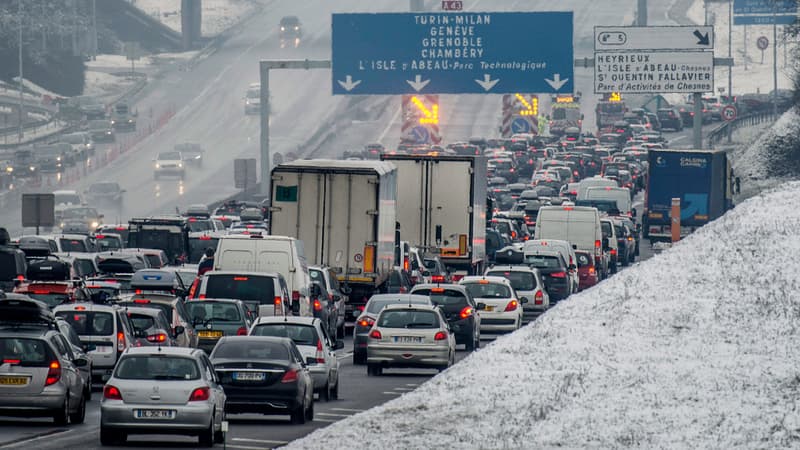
<point>610,233</point>
<point>595,181</point>
<point>621,195</point>
<point>269,254</point>
<point>558,245</point>
<point>579,225</point>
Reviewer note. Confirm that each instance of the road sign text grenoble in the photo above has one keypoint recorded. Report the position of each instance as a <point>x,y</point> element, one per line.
<point>654,72</point>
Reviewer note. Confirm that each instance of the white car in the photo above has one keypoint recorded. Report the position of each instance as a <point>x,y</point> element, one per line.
<point>169,163</point>
<point>503,308</point>
<point>314,344</point>
<point>528,284</point>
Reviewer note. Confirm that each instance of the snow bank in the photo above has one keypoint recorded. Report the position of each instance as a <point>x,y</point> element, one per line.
<point>694,348</point>
<point>218,15</point>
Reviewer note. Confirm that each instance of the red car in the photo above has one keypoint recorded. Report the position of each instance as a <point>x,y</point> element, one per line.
<point>587,273</point>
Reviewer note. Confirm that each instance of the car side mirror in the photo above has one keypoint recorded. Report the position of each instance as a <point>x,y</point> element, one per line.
<point>311,361</point>
<point>523,300</point>
<point>480,306</point>
<point>80,361</point>
<point>178,330</point>
<point>338,345</point>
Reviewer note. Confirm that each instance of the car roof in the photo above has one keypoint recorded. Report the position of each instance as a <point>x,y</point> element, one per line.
<point>179,351</point>
<point>489,278</point>
<point>87,306</point>
<point>287,319</point>
<point>242,272</point>
<point>232,301</point>
<point>416,306</point>
<point>513,268</point>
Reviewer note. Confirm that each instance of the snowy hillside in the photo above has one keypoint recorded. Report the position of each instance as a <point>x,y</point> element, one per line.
<point>694,348</point>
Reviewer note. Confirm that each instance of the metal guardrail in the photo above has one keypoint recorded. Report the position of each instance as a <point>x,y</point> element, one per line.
<point>720,133</point>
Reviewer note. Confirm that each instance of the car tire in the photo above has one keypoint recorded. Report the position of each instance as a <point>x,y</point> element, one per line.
<point>80,414</point>
<point>310,412</point>
<point>359,358</point>
<point>470,344</point>
<point>111,437</point>
<point>341,332</point>
<point>298,416</point>
<point>61,417</point>
<point>206,437</point>
<point>335,390</point>
<point>219,436</point>
<point>325,392</point>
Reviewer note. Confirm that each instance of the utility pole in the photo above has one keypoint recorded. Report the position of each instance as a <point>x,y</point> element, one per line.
<point>774,62</point>
<point>94,30</point>
<point>745,48</point>
<point>19,18</point>
<point>641,13</point>
<point>730,68</point>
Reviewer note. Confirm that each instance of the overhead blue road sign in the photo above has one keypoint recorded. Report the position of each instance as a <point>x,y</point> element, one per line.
<point>765,7</point>
<point>765,20</point>
<point>520,125</point>
<point>452,53</point>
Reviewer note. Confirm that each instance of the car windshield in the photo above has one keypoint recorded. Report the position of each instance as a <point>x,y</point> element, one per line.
<point>241,287</point>
<point>67,199</point>
<point>104,187</point>
<point>27,351</point>
<point>89,323</point>
<point>108,243</point>
<point>542,261</point>
<point>199,225</point>
<point>488,290</point>
<point>601,205</point>
<point>301,334</point>
<point>399,318</point>
<point>144,303</point>
<point>442,296</point>
<point>207,311</point>
<point>79,213</point>
<point>520,281</point>
<point>318,277</point>
<point>50,300</point>
<point>251,350</point>
<point>84,267</point>
<point>169,156</point>
<point>198,246</point>
<point>157,367</point>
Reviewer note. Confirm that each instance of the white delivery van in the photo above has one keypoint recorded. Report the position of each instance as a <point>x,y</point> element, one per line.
<point>557,245</point>
<point>579,225</point>
<point>595,181</point>
<point>269,254</point>
<point>621,195</point>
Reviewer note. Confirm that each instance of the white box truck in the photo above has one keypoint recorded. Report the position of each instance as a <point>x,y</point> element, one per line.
<point>441,207</point>
<point>344,212</point>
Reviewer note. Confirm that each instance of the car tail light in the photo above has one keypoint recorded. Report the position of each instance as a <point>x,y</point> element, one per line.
<point>317,305</point>
<point>111,393</point>
<point>12,361</point>
<point>538,299</point>
<point>613,252</point>
<point>160,337</point>
<point>242,331</point>
<point>630,238</point>
<point>201,296</point>
<point>120,341</point>
<point>200,394</point>
<point>366,322</point>
<point>295,296</point>
<point>53,373</point>
<point>512,306</point>
<point>320,356</point>
<point>597,244</point>
<point>437,279</point>
<point>466,312</point>
<point>591,270</point>
<point>375,334</point>
<point>361,308</point>
<point>440,336</point>
<point>559,274</point>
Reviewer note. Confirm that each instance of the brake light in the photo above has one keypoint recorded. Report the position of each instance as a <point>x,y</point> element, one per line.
<point>538,299</point>
<point>317,305</point>
<point>483,282</point>
<point>437,290</point>
<point>53,373</point>
<point>120,341</point>
<point>405,264</point>
<point>440,336</point>
<point>466,312</point>
<point>200,394</point>
<point>456,279</point>
<point>12,361</point>
<point>366,322</point>
<point>160,337</point>
<point>597,244</point>
<point>512,306</point>
<point>141,301</point>
<point>240,278</point>
<point>559,274</point>
<point>320,356</point>
<point>375,334</point>
<point>613,251</point>
<point>591,270</point>
<point>111,393</point>
<point>361,307</point>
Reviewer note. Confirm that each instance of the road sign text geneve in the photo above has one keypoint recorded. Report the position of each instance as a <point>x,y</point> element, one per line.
<point>452,53</point>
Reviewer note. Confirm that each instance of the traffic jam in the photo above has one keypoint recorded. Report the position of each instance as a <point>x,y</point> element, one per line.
<point>179,322</point>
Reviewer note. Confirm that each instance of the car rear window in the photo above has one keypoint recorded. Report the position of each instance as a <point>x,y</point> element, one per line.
<point>144,303</point>
<point>408,319</point>
<point>84,267</point>
<point>376,306</point>
<point>89,323</point>
<point>256,349</point>
<point>25,351</point>
<point>161,367</point>
<point>8,266</point>
<point>299,333</point>
<point>318,277</point>
<point>142,322</point>
<point>72,245</point>
<point>583,259</point>
<point>198,246</point>
<point>521,281</point>
<point>241,287</point>
<point>488,290</point>
<point>50,300</point>
<point>542,261</point>
<point>444,297</point>
<point>203,311</point>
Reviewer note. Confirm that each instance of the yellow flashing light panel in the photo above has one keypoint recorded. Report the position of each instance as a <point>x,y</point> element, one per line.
<point>531,108</point>
<point>615,97</point>
<point>565,99</point>
<point>430,116</point>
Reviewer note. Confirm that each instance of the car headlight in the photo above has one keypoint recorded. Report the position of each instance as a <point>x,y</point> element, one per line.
<point>247,102</point>
<point>130,120</point>
<point>9,169</point>
<point>32,168</point>
<point>296,28</point>
<point>62,225</point>
<point>283,28</point>
<point>95,224</point>
<point>180,164</point>
<point>58,158</point>
<point>158,166</point>
<point>113,122</point>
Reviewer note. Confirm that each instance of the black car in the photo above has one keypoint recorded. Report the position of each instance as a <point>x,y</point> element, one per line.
<point>670,118</point>
<point>398,282</point>
<point>555,273</point>
<point>105,193</point>
<point>264,375</point>
<point>290,31</point>
<point>458,307</point>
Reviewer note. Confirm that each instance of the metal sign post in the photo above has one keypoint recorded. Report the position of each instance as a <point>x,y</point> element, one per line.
<point>264,68</point>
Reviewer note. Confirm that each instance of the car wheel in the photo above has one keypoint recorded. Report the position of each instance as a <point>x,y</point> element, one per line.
<point>299,414</point>
<point>111,437</point>
<point>341,332</point>
<point>325,393</point>
<point>206,437</point>
<point>335,390</point>
<point>359,358</point>
<point>61,417</point>
<point>310,412</point>
<point>79,415</point>
<point>470,344</point>
<point>219,436</point>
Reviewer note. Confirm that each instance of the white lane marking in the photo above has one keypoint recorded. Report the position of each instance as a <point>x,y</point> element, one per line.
<point>244,447</point>
<point>391,393</point>
<point>36,438</point>
<point>326,420</point>
<point>347,410</point>
<point>412,384</point>
<point>678,138</point>
<point>259,441</point>
<point>332,415</point>
<point>404,389</point>
<point>345,356</point>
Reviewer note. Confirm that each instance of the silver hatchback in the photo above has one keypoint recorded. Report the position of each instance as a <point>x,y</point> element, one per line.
<point>410,336</point>
<point>163,390</point>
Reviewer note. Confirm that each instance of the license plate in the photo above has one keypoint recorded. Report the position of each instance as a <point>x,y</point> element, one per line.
<point>154,413</point>
<point>210,334</point>
<point>248,376</point>
<point>13,381</point>
<point>488,308</point>
<point>408,339</point>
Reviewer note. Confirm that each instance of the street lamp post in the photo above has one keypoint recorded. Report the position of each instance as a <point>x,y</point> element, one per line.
<point>19,18</point>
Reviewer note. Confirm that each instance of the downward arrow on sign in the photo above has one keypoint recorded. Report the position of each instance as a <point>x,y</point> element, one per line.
<point>488,83</point>
<point>556,82</point>
<point>348,84</point>
<point>418,84</point>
